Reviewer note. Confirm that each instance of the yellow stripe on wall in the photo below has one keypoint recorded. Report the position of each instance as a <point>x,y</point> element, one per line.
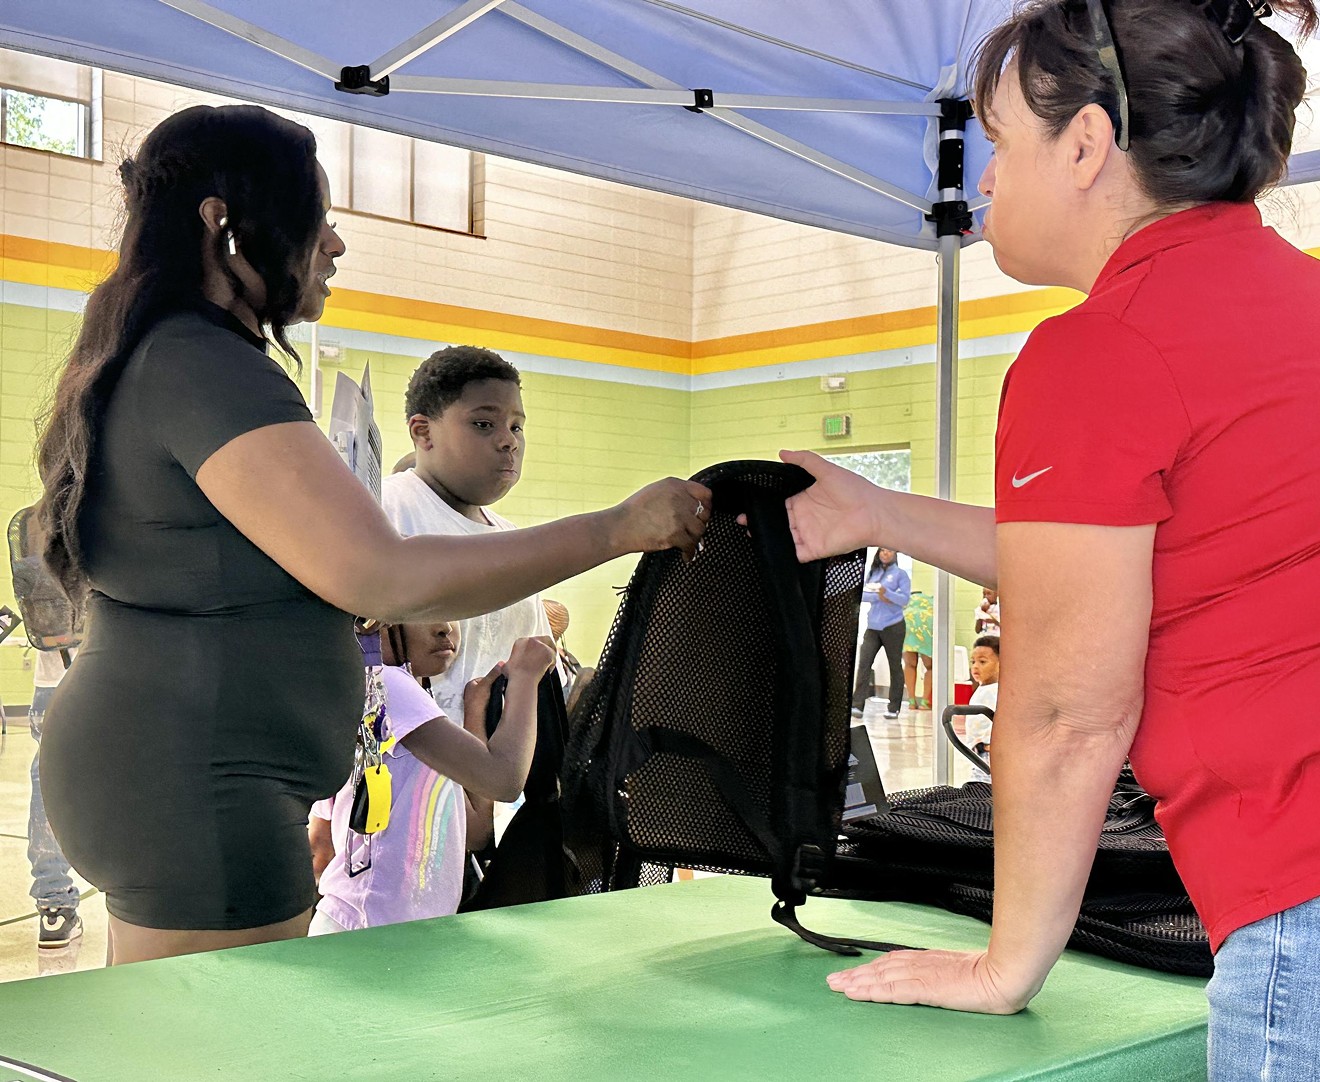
<point>431,321</point>
<point>46,263</point>
<point>66,266</point>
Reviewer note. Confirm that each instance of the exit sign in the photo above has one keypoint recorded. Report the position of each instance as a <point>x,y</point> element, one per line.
<point>833,426</point>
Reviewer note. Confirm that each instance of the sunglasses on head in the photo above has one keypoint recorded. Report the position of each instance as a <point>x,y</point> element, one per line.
<point>1233,17</point>
<point>1102,34</point>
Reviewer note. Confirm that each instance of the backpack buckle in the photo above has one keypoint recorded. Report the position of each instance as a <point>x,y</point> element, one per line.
<point>808,867</point>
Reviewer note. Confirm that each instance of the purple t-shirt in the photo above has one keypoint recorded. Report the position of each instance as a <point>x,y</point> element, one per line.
<point>417,860</point>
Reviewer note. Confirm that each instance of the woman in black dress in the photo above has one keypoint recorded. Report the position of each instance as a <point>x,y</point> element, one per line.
<point>220,545</point>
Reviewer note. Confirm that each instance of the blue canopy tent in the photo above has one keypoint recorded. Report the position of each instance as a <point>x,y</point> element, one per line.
<point>847,116</point>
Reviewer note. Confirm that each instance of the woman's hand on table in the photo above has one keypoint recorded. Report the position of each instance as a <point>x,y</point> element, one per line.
<point>834,515</point>
<point>954,980</point>
<point>663,515</point>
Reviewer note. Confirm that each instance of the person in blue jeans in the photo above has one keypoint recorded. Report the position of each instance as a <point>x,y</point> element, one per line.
<point>887,588</point>
<point>52,887</point>
<point>1258,1012</point>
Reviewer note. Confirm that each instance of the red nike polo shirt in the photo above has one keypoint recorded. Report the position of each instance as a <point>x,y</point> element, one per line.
<point>1184,391</point>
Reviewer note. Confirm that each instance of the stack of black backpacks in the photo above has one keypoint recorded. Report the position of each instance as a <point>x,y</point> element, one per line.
<point>935,846</point>
<point>716,735</point>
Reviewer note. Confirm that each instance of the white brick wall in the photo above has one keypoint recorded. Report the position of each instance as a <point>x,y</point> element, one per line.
<point>753,274</point>
<point>556,246</point>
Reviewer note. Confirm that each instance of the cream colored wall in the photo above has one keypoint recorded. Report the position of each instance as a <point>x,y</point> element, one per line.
<point>753,274</point>
<point>1295,213</point>
<point>556,246</point>
<point>576,249</point>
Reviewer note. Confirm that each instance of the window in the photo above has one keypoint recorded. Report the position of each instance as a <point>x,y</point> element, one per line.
<point>1307,135</point>
<point>888,469</point>
<point>393,176</point>
<point>48,104</point>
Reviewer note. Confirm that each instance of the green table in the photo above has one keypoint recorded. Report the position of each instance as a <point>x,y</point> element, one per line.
<point>690,980</point>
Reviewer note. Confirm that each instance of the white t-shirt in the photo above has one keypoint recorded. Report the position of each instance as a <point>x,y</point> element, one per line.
<point>978,725</point>
<point>415,509</point>
<point>988,614</point>
<point>417,861</point>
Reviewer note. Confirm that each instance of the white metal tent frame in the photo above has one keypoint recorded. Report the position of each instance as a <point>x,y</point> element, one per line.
<point>378,79</point>
<point>948,214</point>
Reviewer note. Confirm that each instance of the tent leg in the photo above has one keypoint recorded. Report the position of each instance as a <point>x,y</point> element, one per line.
<point>948,259</point>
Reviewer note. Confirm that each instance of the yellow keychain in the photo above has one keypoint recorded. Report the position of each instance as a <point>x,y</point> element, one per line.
<point>373,792</point>
<point>379,798</point>
<point>372,787</point>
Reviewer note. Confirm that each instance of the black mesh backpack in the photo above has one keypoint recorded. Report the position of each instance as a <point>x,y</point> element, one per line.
<point>715,733</point>
<point>530,863</point>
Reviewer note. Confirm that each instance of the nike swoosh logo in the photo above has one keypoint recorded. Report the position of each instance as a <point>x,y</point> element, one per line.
<point>1018,482</point>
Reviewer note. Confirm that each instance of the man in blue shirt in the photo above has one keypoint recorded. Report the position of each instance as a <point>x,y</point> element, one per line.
<point>887,588</point>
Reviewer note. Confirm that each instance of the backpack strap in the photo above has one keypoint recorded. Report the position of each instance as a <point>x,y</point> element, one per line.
<point>727,780</point>
<point>794,594</point>
<point>785,913</point>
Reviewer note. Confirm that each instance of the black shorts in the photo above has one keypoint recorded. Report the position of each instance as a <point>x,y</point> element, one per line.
<point>180,783</point>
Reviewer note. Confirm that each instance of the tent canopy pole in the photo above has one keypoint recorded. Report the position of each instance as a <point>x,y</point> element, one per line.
<point>948,260</point>
<point>257,35</point>
<point>426,39</point>
<point>952,219</point>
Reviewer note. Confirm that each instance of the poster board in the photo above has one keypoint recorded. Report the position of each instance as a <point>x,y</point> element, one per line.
<point>353,429</point>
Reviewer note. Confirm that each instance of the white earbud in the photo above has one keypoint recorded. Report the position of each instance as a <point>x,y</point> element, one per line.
<point>233,244</point>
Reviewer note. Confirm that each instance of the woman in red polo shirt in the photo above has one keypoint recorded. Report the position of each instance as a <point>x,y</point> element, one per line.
<point>1157,518</point>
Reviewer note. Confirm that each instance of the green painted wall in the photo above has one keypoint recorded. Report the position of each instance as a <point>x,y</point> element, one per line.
<point>891,408</point>
<point>31,341</point>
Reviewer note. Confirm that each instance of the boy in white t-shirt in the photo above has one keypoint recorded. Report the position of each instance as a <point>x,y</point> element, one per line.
<point>413,868</point>
<point>466,418</point>
<point>985,671</point>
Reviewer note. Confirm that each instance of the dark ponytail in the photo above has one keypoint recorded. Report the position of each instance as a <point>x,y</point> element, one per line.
<point>264,168</point>
<point>1211,119</point>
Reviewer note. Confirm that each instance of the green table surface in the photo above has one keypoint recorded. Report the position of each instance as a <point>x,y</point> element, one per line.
<point>687,980</point>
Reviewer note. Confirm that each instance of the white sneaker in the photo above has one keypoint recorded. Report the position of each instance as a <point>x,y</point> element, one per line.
<point>856,712</point>
<point>58,927</point>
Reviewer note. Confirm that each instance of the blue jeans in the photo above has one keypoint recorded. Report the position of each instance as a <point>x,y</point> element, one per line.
<point>1265,1000</point>
<point>51,886</point>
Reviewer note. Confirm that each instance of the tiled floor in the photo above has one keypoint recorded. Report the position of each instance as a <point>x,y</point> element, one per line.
<point>903,751</point>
